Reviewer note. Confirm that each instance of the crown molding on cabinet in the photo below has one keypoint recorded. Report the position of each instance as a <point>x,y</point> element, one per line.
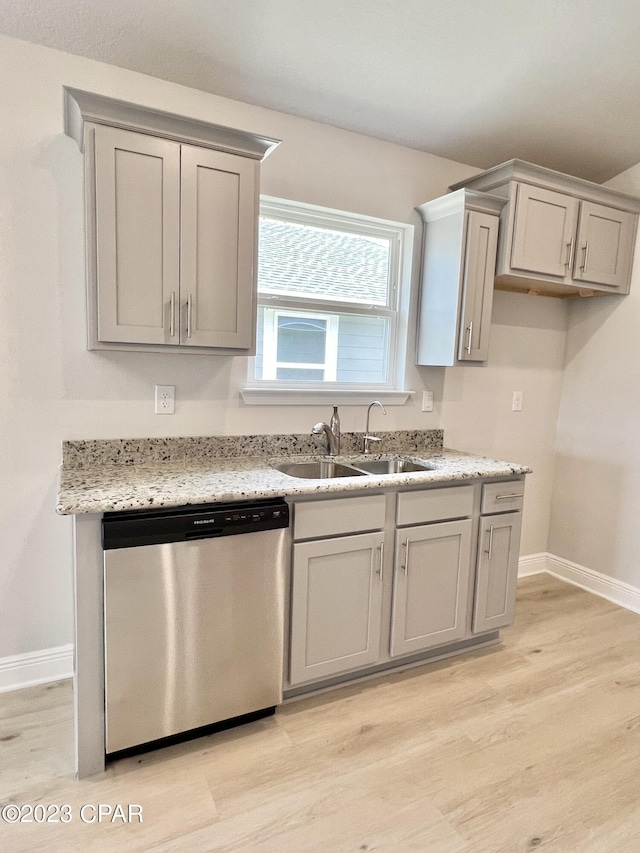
<point>455,202</point>
<point>81,107</point>
<point>497,179</point>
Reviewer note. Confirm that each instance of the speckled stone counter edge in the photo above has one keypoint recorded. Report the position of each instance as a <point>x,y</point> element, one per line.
<point>109,486</point>
<point>145,451</point>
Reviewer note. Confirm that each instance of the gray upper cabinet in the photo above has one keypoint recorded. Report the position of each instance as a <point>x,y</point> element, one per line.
<point>171,211</point>
<point>560,235</point>
<point>218,224</point>
<point>137,216</point>
<point>604,246</point>
<point>458,269</point>
<point>574,241</point>
<point>543,231</point>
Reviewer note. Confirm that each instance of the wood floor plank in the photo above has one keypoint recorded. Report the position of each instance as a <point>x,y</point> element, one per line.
<point>530,744</point>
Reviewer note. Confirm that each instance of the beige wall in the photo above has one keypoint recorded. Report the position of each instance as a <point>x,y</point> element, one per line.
<point>596,502</point>
<point>53,389</point>
<point>528,336</point>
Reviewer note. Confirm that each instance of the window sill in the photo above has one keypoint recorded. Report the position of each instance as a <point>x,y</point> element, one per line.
<point>318,396</point>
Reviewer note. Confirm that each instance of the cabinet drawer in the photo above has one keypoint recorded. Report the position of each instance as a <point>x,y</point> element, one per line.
<point>335,517</point>
<point>502,497</point>
<point>435,505</point>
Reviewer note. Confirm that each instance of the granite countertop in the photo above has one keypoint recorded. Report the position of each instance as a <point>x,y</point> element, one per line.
<point>106,476</point>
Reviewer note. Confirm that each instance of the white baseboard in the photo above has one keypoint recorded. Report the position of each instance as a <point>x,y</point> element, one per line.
<point>618,592</point>
<point>533,564</point>
<point>33,668</point>
<point>54,664</point>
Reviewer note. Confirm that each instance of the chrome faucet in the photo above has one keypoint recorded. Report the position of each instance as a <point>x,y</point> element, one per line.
<point>367,437</point>
<point>332,433</point>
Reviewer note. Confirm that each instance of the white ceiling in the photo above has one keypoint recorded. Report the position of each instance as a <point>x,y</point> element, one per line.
<point>555,82</point>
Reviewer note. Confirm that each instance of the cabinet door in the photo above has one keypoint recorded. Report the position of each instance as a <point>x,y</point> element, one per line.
<point>336,601</point>
<point>543,232</point>
<point>604,245</point>
<point>497,571</point>
<point>137,182</point>
<point>218,242</point>
<point>430,586</point>
<point>477,288</point>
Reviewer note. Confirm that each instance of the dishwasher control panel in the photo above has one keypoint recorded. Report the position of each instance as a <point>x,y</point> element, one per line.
<point>182,524</point>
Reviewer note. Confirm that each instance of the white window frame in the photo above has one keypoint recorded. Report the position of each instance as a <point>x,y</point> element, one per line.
<point>268,391</point>
<point>270,363</point>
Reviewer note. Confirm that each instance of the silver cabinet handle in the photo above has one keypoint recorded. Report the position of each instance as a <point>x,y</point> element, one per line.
<point>508,497</point>
<point>405,565</point>
<point>189,316</point>
<point>172,315</point>
<point>381,550</point>
<point>569,262</point>
<point>490,542</point>
<point>585,249</point>
<point>469,333</point>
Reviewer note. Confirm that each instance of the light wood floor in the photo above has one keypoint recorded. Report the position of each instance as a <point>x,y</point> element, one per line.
<point>534,744</point>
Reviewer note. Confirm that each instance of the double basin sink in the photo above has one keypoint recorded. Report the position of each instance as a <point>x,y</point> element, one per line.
<point>328,469</point>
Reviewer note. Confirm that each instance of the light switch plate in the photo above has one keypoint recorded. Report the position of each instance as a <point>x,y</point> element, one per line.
<point>427,401</point>
<point>516,403</point>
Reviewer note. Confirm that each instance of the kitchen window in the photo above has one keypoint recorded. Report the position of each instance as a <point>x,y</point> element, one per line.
<point>332,294</point>
<point>299,346</point>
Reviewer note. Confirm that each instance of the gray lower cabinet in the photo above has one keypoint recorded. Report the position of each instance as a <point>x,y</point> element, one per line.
<point>336,606</point>
<point>377,579</point>
<point>430,586</point>
<point>497,571</point>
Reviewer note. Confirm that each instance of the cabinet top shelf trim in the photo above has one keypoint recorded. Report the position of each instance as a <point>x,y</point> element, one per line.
<point>519,170</point>
<point>81,107</point>
<point>456,202</point>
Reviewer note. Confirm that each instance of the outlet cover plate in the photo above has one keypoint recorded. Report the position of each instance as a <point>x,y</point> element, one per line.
<point>165,399</point>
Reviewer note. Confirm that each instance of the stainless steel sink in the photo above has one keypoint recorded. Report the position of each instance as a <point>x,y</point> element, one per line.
<point>397,465</point>
<point>327,469</point>
<point>324,469</point>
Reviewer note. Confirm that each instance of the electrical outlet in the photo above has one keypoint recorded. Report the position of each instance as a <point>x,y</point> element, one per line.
<point>516,403</point>
<point>427,401</point>
<point>165,399</point>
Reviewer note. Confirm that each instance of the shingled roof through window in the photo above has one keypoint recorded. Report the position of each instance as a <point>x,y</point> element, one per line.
<point>302,260</point>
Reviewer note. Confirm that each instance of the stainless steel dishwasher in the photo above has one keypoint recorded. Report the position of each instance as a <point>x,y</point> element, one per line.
<point>194,618</point>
